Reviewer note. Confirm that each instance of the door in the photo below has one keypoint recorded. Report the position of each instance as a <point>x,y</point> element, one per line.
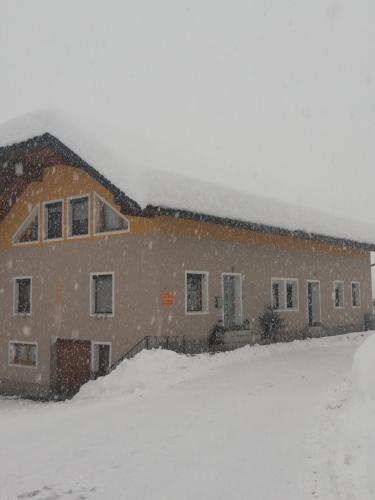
<point>72,365</point>
<point>232,300</point>
<point>101,358</point>
<point>313,302</point>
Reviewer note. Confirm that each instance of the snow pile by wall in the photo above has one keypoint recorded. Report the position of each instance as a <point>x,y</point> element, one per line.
<point>354,439</point>
<point>146,173</point>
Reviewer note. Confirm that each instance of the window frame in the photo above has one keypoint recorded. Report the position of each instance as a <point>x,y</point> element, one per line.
<point>16,299</point>
<point>335,282</point>
<point>16,365</point>
<point>94,314</point>
<point>284,282</point>
<point>23,225</point>
<point>77,197</point>
<point>106,233</point>
<point>205,291</point>
<point>50,202</point>
<point>359,293</point>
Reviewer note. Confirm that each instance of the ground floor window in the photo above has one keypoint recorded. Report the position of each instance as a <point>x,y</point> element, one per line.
<point>23,353</point>
<point>196,292</point>
<point>22,295</point>
<point>338,291</point>
<point>102,294</point>
<point>284,294</point>
<point>100,358</point>
<point>356,296</point>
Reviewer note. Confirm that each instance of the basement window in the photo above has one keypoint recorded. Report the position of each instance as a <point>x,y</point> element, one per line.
<point>102,294</point>
<point>284,294</point>
<point>23,354</point>
<point>338,291</point>
<point>22,296</point>
<point>356,296</point>
<point>28,232</point>
<point>79,216</point>
<point>53,220</point>
<point>196,292</point>
<point>107,219</point>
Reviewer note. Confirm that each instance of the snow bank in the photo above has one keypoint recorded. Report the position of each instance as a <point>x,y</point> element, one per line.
<point>144,171</point>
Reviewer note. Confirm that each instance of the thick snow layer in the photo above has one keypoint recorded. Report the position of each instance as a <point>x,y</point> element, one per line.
<point>143,171</point>
<point>236,425</point>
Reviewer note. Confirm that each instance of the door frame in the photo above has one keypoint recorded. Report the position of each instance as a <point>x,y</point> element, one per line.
<point>222,294</point>
<point>98,342</point>
<point>307,300</point>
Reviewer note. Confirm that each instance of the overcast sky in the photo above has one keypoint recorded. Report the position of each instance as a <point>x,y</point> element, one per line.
<point>278,96</point>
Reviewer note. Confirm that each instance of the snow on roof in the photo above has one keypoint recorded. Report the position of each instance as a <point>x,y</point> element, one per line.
<point>136,167</point>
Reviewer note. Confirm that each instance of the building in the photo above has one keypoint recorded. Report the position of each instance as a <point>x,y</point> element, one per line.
<point>86,272</point>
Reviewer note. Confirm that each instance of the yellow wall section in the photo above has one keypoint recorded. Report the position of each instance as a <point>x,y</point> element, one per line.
<point>62,182</point>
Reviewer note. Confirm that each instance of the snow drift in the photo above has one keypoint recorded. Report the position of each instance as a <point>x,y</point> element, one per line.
<point>143,171</point>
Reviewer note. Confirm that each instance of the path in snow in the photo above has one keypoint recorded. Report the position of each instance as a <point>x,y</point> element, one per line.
<point>241,426</point>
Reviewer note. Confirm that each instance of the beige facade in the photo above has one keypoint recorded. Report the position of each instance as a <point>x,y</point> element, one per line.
<point>149,262</point>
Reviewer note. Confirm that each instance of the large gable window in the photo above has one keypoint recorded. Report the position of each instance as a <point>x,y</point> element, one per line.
<point>29,230</point>
<point>284,294</point>
<point>53,220</point>
<point>102,294</point>
<point>22,296</point>
<point>196,292</point>
<point>107,219</point>
<point>79,216</point>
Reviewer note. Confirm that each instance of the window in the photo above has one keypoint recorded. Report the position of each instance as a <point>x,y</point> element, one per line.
<point>338,292</point>
<point>356,297</point>
<point>284,294</point>
<point>22,296</point>
<point>79,216</point>
<point>29,230</point>
<point>196,292</point>
<point>107,219</point>
<point>23,353</point>
<point>53,220</point>
<point>100,358</point>
<point>102,294</point>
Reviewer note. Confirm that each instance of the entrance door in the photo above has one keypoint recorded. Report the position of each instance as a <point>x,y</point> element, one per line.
<point>313,302</point>
<point>72,365</point>
<point>232,300</point>
<point>101,358</point>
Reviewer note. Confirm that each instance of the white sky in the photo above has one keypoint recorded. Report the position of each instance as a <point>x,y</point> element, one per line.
<point>277,96</point>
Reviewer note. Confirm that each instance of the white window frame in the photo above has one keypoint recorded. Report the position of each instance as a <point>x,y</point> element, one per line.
<point>205,290</point>
<point>343,294</point>
<point>359,294</point>
<point>50,202</point>
<point>98,342</point>
<point>15,298</point>
<point>284,282</point>
<point>106,233</point>
<point>36,209</point>
<point>20,365</point>
<point>77,197</point>
<point>102,315</point>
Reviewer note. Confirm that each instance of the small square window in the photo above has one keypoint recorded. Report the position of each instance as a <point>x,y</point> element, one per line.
<point>79,216</point>
<point>22,296</point>
<point>356,296</point>
<point>53,220</point>
<point>338,292</point>
<point>196,292</point>
<point>102,294</point>
<point>23,354</point>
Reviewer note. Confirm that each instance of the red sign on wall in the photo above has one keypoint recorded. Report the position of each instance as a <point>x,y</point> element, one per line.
<point>169,298</point>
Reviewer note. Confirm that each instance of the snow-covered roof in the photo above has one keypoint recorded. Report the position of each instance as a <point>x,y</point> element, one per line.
<point>129,164</point>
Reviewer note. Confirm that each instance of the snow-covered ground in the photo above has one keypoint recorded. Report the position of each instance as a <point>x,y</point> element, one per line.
<point>264,423</point>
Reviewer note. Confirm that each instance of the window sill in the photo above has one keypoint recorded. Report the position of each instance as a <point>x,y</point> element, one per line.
<point>14,365</point>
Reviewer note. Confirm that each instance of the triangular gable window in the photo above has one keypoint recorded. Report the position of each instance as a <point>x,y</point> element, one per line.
<point>107,219</point>
<point>29,229</point>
